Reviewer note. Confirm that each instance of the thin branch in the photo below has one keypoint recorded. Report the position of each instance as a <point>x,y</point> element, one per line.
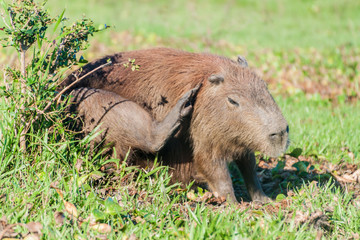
<point>7,228</point>
<point>23,70</point>
<point>63,91</point>
<point>4,20</point>
<point>6,84</point>
<point>23,90</point>
<point>11,21</point>
<point>61,44</point>
<point>76,81</point>
<point>7,87</point>
<point>26,23</point>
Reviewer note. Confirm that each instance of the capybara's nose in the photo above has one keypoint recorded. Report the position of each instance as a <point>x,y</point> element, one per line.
<point>279,136</point>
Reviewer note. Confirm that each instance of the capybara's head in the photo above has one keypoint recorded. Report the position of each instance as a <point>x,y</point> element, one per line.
<point>234,112</point>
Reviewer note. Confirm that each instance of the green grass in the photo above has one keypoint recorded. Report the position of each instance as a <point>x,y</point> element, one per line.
<point>321,128</point>
<point>291,43</point>
<point>150,208</point>
<point>160,212</point>
<point>275,24</point>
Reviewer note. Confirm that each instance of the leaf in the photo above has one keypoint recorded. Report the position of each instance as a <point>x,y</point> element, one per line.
<point>139,219</point>
<point>191,195</point>
<point>81,180</point>
<point>59,20</point>
<point>71,209</point>
<point>132,237</point>
<point>32,237</point>
<point>112,207</point>
<point>279,167</point>
<point>98,215</point>
<point>34,227</point>
<point>101,237</point>
<point>192,214</point>
<point>280,197</point>
<point>52,185</point>
<point>86,187</point>
<point>206,196</point>
<point>78,164</point>
<point>8,231</point>
<point>296,152</point>
<point>102,27</point>
<point>101,227</point>
<point>301,217</point>
<point>83,60</point>
<point>4,6</point>
<point>59,218</point>
<point>258,212</point>
<point>301,166</point>
<point>96,174</point>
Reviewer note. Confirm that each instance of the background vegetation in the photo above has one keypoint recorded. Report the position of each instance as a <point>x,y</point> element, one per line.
<point>309,53</point>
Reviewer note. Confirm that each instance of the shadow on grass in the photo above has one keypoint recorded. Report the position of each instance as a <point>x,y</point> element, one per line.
<point>278,176</point>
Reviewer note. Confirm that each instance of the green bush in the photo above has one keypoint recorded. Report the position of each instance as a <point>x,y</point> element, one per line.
<point>44,57</point>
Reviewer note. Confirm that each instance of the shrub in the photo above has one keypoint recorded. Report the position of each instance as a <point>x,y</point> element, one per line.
<point>47,47</point>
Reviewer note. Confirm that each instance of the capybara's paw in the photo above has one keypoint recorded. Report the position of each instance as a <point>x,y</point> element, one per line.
<point>188,100</point>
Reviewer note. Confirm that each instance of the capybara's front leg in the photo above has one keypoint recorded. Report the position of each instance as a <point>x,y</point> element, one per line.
<point>217,176</point>
<point>162,131</point>
<point>247,166</point>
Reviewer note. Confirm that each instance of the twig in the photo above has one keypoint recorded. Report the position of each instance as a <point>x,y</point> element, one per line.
<point>26,24</point>
<point>8,227</point>
<point>23,90</point>
<point>4,20</point>
<point>63,91</point>
<point>76,81</point>
<point>7,87</point>
<point>61,44</point>
<point>11,21</point>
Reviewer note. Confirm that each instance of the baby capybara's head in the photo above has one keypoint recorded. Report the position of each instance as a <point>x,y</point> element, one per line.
<point>235,112</point>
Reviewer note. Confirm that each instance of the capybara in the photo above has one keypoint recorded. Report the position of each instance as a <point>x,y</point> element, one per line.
<point>233,114</point>
<point>123,123</point>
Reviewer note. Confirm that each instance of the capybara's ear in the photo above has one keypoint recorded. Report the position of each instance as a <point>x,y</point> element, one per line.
<point>216,79</point>
<point>242,61</point>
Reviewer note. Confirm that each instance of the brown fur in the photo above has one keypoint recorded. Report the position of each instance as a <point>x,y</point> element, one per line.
<point>234,114</point>
<point>125,125</point>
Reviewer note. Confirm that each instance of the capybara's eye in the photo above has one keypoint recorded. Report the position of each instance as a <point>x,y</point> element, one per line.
<point>233,102</point>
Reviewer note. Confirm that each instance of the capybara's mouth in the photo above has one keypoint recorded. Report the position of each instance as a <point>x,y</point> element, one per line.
<point>275,149</point>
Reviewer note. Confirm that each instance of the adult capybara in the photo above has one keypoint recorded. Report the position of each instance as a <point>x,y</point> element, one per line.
<point>233,116</point>
<point>123,123</point>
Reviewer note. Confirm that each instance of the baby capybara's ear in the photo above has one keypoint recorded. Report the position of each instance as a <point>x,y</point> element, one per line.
<point>216,79</point>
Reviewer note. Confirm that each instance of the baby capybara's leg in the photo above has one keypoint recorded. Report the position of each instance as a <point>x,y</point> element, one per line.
<point>247,166</point>
<point>162,131</point>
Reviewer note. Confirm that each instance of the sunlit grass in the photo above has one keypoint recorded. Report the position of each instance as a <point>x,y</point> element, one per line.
<point>276,24</point>
<point>321,128</point>
<point>269,33</point>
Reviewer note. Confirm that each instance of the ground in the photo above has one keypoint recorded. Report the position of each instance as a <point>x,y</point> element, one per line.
<point>307,51</point>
